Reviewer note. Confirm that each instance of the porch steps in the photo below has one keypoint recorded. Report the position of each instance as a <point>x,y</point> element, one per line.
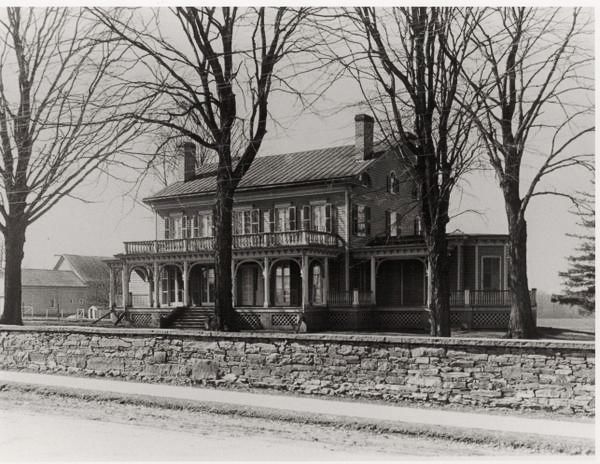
<point>193,318</point>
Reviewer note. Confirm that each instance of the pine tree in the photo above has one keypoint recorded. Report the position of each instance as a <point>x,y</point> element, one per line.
<point>579,279</point>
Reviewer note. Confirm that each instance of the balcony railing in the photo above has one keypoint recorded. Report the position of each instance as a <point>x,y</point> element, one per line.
<point>264,240</point>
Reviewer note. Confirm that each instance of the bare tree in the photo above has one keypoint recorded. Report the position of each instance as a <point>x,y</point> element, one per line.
<point>58,121</point>
<point>401,52</point>
<point>535,104</point>
<point>219,78</point>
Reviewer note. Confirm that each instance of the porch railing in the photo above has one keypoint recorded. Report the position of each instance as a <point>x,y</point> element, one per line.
<point>263,240</point>
<point>341,298</point>
<point>486,298</point>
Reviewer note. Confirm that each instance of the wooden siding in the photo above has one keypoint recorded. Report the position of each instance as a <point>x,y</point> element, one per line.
<point>380,200</point>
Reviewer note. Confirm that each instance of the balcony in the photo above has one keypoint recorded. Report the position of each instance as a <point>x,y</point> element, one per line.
<point>240,242</point>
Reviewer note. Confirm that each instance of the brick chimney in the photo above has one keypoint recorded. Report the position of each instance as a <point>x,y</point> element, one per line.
<point>188,166</point>
<point>363,136</point>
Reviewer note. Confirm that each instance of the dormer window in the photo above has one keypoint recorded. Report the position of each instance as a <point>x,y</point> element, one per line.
<point>393,183</point>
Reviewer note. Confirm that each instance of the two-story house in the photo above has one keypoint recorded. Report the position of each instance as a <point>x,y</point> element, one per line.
<point>331,236</point>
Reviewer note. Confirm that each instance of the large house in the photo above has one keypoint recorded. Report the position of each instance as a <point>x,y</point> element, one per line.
<point>330,236</point>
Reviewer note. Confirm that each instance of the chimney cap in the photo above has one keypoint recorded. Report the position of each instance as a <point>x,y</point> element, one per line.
<point>364,117</point>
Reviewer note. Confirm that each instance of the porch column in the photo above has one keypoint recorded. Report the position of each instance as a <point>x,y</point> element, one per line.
<point>111,287</point>
<point>304,275</point>
<point>184,276</point>
<point>373,280</point>
<point>428,277</point>
<point>476,267</point>
<point>266,283</point>
<point>233,284</point>
<point>459,267</point>
<point>326,280</point>
<point>150,282</point>
<point>125,285</point>
<point>347,271</point>
<point>505,266</point>
<point>156,275</point>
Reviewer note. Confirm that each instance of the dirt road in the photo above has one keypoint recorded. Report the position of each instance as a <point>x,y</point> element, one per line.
<point>50,427</point>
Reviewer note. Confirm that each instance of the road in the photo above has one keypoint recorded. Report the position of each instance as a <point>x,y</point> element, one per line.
<point>35,426</point>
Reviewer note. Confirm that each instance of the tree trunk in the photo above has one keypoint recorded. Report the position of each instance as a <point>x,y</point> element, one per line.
<point>439,294</point>
<point>14,242</point>
<point>521,324</point>
<point>223,255</point>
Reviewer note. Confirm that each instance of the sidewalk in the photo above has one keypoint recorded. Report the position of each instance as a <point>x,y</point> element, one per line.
<point>346,409</point>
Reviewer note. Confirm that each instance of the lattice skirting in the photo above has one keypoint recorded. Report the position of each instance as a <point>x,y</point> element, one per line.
<point>142,320</point>
<point>285,320</point>
<point>397,320</point>
<point>267,320</point>
<point>248,321</point>
<point>491,319</point>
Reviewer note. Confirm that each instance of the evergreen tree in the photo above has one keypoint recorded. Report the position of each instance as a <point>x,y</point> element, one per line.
<point>579,279</point>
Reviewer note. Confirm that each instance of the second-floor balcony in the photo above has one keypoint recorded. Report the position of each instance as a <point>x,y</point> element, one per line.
<point>296,238</point>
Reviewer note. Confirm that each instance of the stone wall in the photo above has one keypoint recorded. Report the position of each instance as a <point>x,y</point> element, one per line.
<point>546,375</point>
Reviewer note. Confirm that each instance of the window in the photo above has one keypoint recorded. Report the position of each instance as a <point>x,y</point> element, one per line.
<point>282,285</point>
<point>186,226</point>
<point>246,222</point>
<point>205,225</point>
<point>490,273</point>
<point>320,218</point>
<point>365,180</point>
<point>393,183</point>
<point>317,285</point>
<point>177,223</point>
<point>417,226</point>
<point>171,286</point>
<point>361,220</point>
<point>392,221</point>
<point>415,192</point>
<point>285,218</point>
<point>255,221</point>
<point>168,228</point>
<point>268,221</point>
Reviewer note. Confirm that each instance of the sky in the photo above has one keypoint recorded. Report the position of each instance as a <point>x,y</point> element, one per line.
<point>111,214</point>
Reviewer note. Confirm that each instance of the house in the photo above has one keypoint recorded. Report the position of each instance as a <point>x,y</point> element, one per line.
<point>75,283</point>
<point>329,236</point>
<point>92,271</point>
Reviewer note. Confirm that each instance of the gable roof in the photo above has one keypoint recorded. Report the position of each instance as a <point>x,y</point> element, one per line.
<point>276,170</point>
<point>49,278</point>
<point>87,268</point>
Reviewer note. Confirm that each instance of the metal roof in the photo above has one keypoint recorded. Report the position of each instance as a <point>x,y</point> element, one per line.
<point>88,268</point>
<point>290,168</point>
<point>49,278</point>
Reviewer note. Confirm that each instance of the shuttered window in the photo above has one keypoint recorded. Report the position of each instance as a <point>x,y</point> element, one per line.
<point>361,220</point>
<point>392,224</point>
<point>168,228</point>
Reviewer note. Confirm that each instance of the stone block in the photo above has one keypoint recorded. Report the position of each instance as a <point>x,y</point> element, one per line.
<point>113,342</point>
<point>160,356</point>
<point>101,364</point>
<point>424,381</point>
<point>427,352</point>
<point>204,370</point>
<point>547,393</point>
